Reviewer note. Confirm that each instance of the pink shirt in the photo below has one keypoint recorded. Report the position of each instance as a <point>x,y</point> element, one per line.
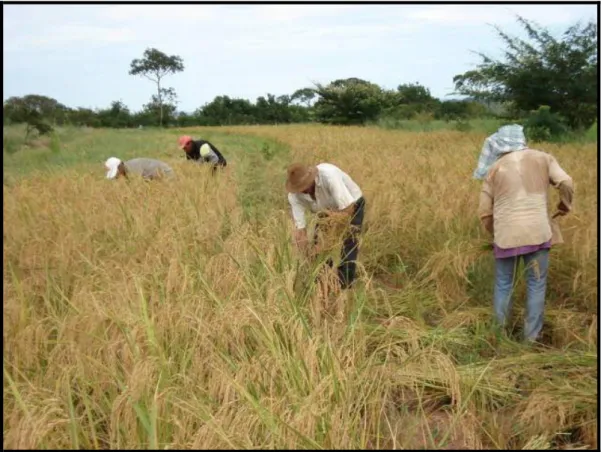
<point>502,253</point>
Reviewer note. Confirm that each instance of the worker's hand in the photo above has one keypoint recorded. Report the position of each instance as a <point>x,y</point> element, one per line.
<point>488,224</point>
<point>562,210</point>
<point>317,250</point>
<point>300,239</point>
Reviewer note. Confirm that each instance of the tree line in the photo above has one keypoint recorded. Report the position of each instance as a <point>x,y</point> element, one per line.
<point>556,77</point>
<point>347,101</point>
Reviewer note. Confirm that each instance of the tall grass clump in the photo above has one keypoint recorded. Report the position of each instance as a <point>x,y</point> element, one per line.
<point>176,314</point>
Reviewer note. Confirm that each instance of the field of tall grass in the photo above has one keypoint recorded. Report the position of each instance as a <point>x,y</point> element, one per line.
<point>177,314</point>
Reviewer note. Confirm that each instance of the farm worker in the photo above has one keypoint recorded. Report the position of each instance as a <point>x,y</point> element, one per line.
<point>331,192</point>
<point>202,151</point>
<point>145,167</point>
<point>513,207</point>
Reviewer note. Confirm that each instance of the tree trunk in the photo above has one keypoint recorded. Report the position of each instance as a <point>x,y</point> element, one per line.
<point>160,103</point>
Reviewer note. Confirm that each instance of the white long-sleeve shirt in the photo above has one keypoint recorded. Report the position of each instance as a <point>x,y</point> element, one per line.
<point>334,190</point>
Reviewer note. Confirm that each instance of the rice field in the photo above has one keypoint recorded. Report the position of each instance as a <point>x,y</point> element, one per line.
<point>177,314</point>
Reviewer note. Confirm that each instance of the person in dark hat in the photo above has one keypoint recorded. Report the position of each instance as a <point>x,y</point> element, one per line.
<point>327,190</point>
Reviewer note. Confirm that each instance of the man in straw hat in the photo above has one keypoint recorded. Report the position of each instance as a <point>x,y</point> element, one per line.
<point>513,207</point>
<point>145,167</point>
<point>327,189</point>
<point>201,151</point>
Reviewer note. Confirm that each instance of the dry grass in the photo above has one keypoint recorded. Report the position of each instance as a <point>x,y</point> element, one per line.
<point>163,315</point>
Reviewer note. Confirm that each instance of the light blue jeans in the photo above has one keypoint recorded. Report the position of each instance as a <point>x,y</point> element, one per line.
<point>536,264</point>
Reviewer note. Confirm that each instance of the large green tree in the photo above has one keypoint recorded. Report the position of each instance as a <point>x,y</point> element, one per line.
<point>34,106</point>
<point>409,100</point>
<point>116,116</point>
<point>224,110</point>
<point>304,95</point>
<point>348,101</point>
<point>561,73</point>
<point>38,112</point>
<point>155,65</point>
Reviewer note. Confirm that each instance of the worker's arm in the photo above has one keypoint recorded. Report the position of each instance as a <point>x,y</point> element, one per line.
<point>485,208</point>
<point>208,154</point>
<point>563,182</point>
<point>300,224</point>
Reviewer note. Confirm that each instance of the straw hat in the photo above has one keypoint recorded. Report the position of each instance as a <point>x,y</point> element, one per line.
<point>300,177</point>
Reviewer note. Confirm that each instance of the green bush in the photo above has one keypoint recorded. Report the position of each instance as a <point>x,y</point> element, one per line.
<point>55,143</point>
<point>10,145</point>
<point>267,151</point>
<point>462,125</point>
<point>544,125</point>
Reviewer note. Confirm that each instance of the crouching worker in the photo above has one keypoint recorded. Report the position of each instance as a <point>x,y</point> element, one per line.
<point>201,151</point>
<point>513,207</point>
<point>327,190</point>
<point>147,168</point>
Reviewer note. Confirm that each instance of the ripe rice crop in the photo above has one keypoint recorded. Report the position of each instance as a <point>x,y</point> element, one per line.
<point>177,314</point>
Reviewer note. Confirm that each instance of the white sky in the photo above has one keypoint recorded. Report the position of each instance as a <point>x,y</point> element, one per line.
<point>80,54</point>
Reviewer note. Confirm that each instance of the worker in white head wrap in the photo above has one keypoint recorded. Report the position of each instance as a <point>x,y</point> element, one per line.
<point>507,139</point>
<point>514,209</point>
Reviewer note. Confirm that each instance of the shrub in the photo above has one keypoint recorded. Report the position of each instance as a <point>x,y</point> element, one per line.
<point>462,125</point>
<point>55,143</point>
<point>10,144</point>
<point>544,125</point>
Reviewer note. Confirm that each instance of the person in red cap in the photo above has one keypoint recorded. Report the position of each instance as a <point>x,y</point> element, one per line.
<point>202,151</point>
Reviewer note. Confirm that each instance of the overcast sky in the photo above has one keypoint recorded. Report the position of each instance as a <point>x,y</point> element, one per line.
<point>80,54</point>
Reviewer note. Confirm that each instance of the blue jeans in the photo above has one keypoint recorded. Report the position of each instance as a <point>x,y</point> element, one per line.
<point>536,264</point>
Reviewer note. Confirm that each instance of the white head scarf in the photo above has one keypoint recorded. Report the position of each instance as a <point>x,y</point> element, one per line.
<point>507,139</point>
<point>112,166</point>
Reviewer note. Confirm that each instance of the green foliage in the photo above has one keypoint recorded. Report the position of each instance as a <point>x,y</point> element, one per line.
<point>414,93</point>
<point>10,144</point>
<point>34,108</point>
<point>84,117</point>
<point>55,143</point>
<point>154,66</point>
<point>453,110</point>
<point>592,133</point>
<point>268,151</point>
<point>224,110</point>
<point>271,110</point>
<point>542,70</point>
<point>117,116</point>
<point>462,125</point>
<point>164,107</point>
<point>348,101</point>
<point>34,111</point>
<point>43,128</point>
<point>409,111</point>
<point>304,95</point>
<point>409,101</point>
<point>543,125</point>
